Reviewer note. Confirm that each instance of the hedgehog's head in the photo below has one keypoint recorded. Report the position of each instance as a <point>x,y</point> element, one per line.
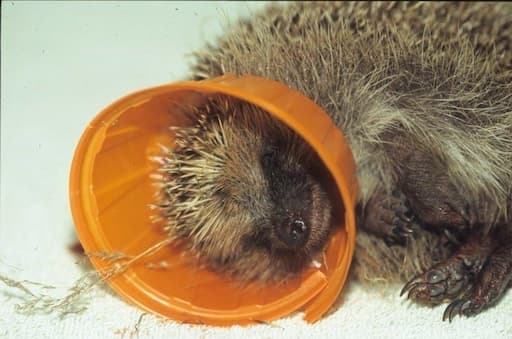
<point>243,193</point>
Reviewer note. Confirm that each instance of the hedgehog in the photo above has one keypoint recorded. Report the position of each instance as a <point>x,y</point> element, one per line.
<point>423,94</point>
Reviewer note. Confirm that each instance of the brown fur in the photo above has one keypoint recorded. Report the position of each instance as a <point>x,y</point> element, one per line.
<point>400,80</point>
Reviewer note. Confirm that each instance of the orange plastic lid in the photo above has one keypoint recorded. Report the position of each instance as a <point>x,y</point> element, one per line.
<point>111,189</point>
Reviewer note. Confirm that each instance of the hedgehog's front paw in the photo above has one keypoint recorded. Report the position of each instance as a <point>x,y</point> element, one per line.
<point>388,216</point>
<point>444,282</point>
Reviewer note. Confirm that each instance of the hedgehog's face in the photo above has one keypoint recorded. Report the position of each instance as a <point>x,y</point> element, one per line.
<point>298,207</point>
<point>246,202</point>
<point>276,216</point>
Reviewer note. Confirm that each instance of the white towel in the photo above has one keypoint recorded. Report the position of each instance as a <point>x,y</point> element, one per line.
<point>62,62</point>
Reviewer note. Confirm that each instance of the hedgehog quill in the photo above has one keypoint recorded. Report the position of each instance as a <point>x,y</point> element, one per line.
<point>423,93</point>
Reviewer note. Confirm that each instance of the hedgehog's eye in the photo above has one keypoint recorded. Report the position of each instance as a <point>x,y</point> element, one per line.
<point>268,159</point>
<point>293,232</point>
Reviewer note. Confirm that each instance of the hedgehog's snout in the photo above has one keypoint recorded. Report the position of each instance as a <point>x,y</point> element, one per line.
<point>293,232</point>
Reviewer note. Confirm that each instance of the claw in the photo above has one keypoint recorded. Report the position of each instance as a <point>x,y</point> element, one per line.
<point>455,310</point>
<point>405,218</point>
<point>452,310</point>
<point>401,234</point>
<point>413,293</point>
<point>448,310</point>
<point>464,307</point>
<point>410,286</point>
<point>403,231</point>
<point>385,216</point>
<point>409,214</point>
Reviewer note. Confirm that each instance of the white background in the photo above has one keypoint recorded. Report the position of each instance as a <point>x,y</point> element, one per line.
<point>62,62</point>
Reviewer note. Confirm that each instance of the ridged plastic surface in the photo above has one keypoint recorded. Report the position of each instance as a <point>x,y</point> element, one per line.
<point>111,189</point>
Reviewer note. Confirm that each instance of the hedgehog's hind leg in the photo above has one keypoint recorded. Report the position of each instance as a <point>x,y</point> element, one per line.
<point>490,285</point>
<point>478,273</point>
<point>454,276</point>
<point>474,278</point>
<point>388,217</point>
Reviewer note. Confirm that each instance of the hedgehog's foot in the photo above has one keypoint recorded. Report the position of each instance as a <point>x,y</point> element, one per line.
<point>489,285</point>
<point>475,276</point>
<point>388,216</point>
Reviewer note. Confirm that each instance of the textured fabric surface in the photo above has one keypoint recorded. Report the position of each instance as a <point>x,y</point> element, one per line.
<point>62,62</point>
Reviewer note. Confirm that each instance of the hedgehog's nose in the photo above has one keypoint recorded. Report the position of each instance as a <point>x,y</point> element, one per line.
<point>293,232</point>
